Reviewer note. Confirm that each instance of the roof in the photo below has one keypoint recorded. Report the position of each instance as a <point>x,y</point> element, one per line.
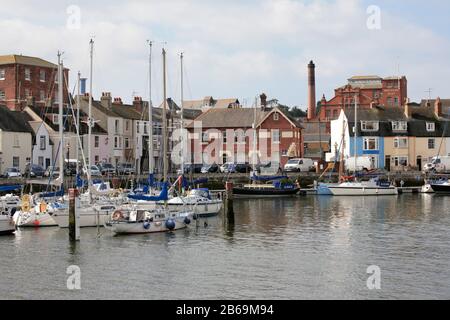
<point>13,121</point>
<point>416,123</point>
<point>26,60</point>
<point>230,118</point>
<point>216,103</point>
<point>365,78</point>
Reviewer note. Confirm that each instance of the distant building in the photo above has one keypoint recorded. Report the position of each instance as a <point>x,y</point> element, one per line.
<point>15,140</point>
<point>28,80</point>
<point>209,102</point>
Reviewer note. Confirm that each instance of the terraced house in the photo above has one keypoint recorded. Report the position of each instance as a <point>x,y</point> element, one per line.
<point>395,139</point>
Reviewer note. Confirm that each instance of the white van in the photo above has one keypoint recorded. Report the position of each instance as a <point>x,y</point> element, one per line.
<point>299,165</point>
<point>438,165</point>
<point>362,163</point>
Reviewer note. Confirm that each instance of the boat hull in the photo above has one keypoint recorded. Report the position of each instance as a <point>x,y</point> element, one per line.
<point>441,188</point>
<point>201,210</point>
<point>6,225</point>
<point>127,228</point>
<point>264,193</point>
<point>362,191</point>
<point>88,217</point>
<point>34,220</point>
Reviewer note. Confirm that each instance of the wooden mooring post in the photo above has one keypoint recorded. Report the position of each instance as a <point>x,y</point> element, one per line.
<point>74,225</point>
<point>229,210</point>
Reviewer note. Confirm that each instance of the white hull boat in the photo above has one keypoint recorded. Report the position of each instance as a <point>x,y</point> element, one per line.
<point>90,215</point>
<point>34,216</point>
<point>6,225</point>
<point>362,189</point>
<point>144,222</point>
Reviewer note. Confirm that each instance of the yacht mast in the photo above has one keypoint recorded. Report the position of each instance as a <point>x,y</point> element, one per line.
<point>90,120</point>
<point>150,114</point>
<point>164,120</point>
<point>356,133</point>
<point>78,120</point>
<point>255,136</point>
<point>61,120</point>
<point>182,116</point>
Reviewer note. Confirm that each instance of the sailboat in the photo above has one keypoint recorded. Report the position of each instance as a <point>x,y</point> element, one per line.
<point>374,187</point>
<point>137,220</point>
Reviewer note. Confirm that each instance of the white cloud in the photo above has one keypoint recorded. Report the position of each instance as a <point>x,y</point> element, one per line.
<point>232,48</point>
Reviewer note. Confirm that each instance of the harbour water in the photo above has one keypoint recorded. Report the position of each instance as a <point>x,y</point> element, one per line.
<point>300,248</point>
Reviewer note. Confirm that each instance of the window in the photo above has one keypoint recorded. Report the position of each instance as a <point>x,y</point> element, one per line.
<point>399,126</point>
<point>276,116</point>
<point>145,128</point>
<point>431,127</point>
<point>116,126</point>
<point>42,75</point>
<point>16,162</point>
<point>400,161</point>
<point>370,144</point>
<point>205,137</point>
<point>431,144</point>
<point>137,126</point>
<point>42,142</point>
<point>127,143</point>
<point>97,159</point>
<point>371,126</point>
<point>42,95</point>
<point>16,141</point>
<point>127,125</point>
<point>276,136</point>
<point>2,74</point>
<point>389,102</point>
<point>224,137</point>
<point>27,74</point>
<point>116,142</point>
<point>41,161</point>
<point>401,143</point>
<point>2,95</point>
<point>395,102</point>
<point>328,114</point>
<point>96,141</point>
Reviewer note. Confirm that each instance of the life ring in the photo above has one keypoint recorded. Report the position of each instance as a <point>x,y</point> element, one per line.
<point>25,203</point>
<point>117,215</point>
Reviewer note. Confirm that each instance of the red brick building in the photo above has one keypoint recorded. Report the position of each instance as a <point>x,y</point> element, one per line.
<point>29,80</point>
<point>388,92</point>
<point>226,135</point>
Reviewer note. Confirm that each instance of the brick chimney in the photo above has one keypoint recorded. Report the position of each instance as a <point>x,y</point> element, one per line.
<point>311,90</point>
<point>117,101</point>
<point>138,104</point>
<point>106,100</point>
<point>438,107</point>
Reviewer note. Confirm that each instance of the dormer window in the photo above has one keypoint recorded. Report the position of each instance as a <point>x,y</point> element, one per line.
<point>370,126</point>
<point>399,126</point>
<point>431,127</point>
<point>276,116</point>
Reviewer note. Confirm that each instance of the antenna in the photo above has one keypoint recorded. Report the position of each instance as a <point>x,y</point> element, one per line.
<point>429,91</point>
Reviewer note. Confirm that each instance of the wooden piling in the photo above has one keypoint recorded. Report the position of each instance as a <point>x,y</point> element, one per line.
<point>229,210</point>
<point>74,231</point>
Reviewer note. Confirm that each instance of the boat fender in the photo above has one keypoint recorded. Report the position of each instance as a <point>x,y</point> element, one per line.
<point>146,225</point>
<point>170,224</point>
<point>42,207</point>
<point>26,203</point>
<point>187,221</point>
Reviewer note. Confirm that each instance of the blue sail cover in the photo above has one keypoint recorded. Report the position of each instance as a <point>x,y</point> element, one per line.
<point>163,196</point>
<point>9,188</point>
<point>59,193</point>
<point>268,178</point>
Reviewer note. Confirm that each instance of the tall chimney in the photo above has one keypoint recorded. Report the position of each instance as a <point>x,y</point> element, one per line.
<point>138,104</point>
<point>263,98</point>
<point>438,107</point>
<point>311,90</point>
<point>106,100</point>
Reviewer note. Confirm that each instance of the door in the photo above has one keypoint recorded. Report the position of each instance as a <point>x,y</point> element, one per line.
<point>419,162</point>
<point>47,163</point>
<point>388,163</point>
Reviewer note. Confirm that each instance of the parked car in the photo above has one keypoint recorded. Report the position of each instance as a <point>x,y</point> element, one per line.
<point>70,168</point>
<point>299,165</point>
<point>193,168</point>
<point>210,168</point>
<point>243,168</point>
<point>225,166</point>
<point>95,171</point>
<point>12,173</point>
<point>261,166</point>
<point>51,170</point>
<point>106,169</point>
<point>34,171</point>
<point>125,169</point>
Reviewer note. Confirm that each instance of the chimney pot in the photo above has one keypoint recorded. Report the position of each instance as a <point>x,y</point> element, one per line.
<point>311,90</point>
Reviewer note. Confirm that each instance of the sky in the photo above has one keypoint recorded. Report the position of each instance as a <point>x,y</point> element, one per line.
<point>235,48</point>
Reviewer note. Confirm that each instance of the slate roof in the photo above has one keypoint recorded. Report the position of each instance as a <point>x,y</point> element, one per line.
<point>417,124</point>
<point>13,121</point>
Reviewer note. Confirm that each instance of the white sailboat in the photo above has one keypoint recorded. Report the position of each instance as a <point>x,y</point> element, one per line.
<point>92,213</point>
<point>374,187</point>
<point>7,225</point>
<point>137,220</point>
